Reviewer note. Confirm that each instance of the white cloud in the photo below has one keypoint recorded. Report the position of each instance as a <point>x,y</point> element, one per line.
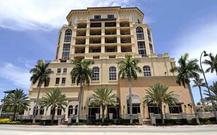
<point>44,14</point>
<point>16,75</point>
<point>198,37</point>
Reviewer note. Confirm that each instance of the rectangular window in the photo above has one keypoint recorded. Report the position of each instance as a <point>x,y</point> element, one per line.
<point>135,108</point>
<point>149,35</point>
<point>59,111</point>
<point>141,48</point>
<point>63,80</point>
<point>66,51</point>
<point>57,81</point>
<point>58,70</point>
<point>97,16</point>
<point>154,109</point>
<point>110,16</point>
<point>64,70</point>
<point>175,108</point>
<point>112,73</point>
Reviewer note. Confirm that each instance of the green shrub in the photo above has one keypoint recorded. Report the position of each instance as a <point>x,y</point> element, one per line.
<point>4,120</point>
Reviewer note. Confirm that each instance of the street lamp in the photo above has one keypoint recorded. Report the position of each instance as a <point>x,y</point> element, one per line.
<point>204,54</point>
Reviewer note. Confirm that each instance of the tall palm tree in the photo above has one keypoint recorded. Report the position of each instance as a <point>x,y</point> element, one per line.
<point>128,68</point>
<point>198,82</point>
<point>212,63</point>
<point>16,102</point>
<point>187,70</point>
<point>41,76</point>
<point>54,99</point>
<point>81,74</point>
<point>103,97</point>
<point>159,94</point>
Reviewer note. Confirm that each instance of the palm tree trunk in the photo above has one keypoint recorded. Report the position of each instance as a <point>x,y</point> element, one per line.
<point>36,105</point>
<point>53,114</point>
<point>14,115</point>
<point>201,97</point>
<point>130,99</point>
<point>103,113</point>
<point>194,107</point>
<point>161,113</point>
<point>80,98</point>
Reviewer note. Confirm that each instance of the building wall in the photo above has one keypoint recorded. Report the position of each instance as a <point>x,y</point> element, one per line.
<point>160,65</point>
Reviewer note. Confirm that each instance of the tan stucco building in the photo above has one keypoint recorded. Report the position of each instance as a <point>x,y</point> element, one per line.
<point>106,35</point>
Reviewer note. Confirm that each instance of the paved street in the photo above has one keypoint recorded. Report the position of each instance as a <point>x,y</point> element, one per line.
<point>115,130</point>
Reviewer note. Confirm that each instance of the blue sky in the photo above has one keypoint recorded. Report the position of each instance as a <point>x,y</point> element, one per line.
<point>29,31</point>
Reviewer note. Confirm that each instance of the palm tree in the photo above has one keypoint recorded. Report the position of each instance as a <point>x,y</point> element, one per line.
<point>198,82</point>
<point>213,96</point>
<point>186,70</point>
<point>158,94</point>
<point>81,74</point>
<point>40,75</point>
<point>103,97</point>
<point>16,102</point>
<point>54,99</point>
<point>212,63</point>
<point>128,68</point>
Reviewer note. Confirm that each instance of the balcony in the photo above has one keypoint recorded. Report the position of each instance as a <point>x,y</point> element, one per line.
<point>110,24</point>
<point>126,49</point>
<point>110,49</point>
<point>125,40</point>
<point>81,33</point>
<point>81,25</point>
<point>124,24</point>
<point>95,32</point>
<point>110,31</point>
<point>80,41</point>
<point>95,25</point>
<point>103,19</point>
<point>110,40</point>
<point>80,50</point>
<point>95,49</point>
<point>125,31</point>
<point>95,40</point>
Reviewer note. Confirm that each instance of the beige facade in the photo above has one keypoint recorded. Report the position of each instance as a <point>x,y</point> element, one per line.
<point>106,35</point>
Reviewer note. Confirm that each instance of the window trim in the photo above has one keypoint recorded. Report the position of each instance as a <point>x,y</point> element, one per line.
<point>110,16</point>
<point>68,35</point>
<point>112,73</point>
<point>57,81</point>
<point>97,16</point>
<point>140,33</point>
<point>146,70</point>
<point>95,74</point>
<point>63,81</point>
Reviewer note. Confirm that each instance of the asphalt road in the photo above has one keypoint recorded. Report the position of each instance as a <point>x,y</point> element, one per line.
<point>109,130</point>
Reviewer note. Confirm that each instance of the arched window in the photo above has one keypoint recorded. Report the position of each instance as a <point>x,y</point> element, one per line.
<point>112,73</point>
<point>68,35</point>
<point>70,110</point>
<point>52,110</point>
<point>147,71</point>
<point>139,33</point>
<point>76,109</point>
<point>42,111</point>
<point>59,111</point>
<point>95,75</point>
<point>35,110</point>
